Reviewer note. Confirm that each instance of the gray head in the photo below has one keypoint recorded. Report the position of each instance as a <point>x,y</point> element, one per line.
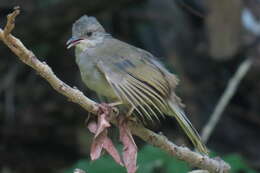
<point>86,29</point>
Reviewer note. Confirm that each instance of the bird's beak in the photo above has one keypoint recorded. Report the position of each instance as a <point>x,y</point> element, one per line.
<point>73,41</point>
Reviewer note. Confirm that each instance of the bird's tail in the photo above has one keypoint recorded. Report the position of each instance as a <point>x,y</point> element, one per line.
<point>186,125</point>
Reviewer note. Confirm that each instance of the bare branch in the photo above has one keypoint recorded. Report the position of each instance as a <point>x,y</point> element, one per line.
<point>76,96</point>
<point>182,153</point>
<point>11,21</point>
<point>199,171</point>
<point>44,70</point>
<point>78,171</point>
<point>225,98</point>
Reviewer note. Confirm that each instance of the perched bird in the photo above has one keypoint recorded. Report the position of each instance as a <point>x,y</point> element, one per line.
<point>127,76</point>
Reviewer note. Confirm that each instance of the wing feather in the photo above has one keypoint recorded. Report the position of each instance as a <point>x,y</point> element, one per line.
<point>146,98</point>
<point>148,109</point>
<point>140,85</point>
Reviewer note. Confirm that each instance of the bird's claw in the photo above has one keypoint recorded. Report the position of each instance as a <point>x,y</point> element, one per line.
<point>107,108</point>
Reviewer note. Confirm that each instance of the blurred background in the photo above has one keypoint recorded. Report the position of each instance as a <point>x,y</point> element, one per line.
<point>202,41</point>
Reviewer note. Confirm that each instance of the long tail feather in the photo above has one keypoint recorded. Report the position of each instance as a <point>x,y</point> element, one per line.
<point>186,125</point>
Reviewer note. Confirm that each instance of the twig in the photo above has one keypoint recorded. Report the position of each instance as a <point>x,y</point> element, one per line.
<point>199,171</point>
<point>76,96</point>
<point>225,98</point>
<point>77,170</point>
<point>42,68</point>
<point>11,21</point>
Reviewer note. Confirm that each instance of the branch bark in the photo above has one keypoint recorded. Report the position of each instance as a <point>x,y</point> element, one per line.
<point>76,96</point>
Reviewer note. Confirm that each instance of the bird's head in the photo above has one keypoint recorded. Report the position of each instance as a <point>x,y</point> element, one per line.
<point>86,32</point>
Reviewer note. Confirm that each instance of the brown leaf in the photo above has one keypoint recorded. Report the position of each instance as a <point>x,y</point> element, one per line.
<point>102,124</point>
<point>130,148</point>
<point>97,143</point>
<point>92,126</point>
<point>110,148</point>
<point>102,141</point>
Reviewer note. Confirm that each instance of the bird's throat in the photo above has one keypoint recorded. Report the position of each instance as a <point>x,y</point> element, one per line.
<point>82,46</point>
<point>86,44</point>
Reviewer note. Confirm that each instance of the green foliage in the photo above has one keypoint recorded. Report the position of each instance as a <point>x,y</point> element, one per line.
<point>102,165</point>
<point>238,164</point>
<point>154,160</point>
<point>151,159</point>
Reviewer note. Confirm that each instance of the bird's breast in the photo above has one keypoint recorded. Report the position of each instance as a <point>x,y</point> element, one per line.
<point>93,78</point>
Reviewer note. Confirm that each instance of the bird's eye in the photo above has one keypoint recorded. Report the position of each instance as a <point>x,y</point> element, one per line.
<point>89,34</point>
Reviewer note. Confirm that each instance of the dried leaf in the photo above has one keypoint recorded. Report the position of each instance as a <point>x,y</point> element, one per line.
<point>102,124</point>
<point>92,126</point>
<point>110,148</point>
<point>130,148</point>
<point>100,131</point>
<point>100,142</point>
<point>97,143</point>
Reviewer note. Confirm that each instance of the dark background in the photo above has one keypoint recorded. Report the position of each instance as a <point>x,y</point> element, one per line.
<point>202,41</point>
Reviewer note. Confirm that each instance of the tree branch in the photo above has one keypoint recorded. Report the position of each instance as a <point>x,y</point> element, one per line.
<point>225,98</point>
<point>76,96</point>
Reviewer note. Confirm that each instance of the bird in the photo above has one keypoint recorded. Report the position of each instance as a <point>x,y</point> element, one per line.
<point>128,76</point>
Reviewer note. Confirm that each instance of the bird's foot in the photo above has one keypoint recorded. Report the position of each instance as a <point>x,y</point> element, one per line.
<point>103,110</point>
<point>103,118</point>
<point>113,106</point>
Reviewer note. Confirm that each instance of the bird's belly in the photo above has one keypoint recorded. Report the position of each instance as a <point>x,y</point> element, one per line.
<point>97,82</point>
